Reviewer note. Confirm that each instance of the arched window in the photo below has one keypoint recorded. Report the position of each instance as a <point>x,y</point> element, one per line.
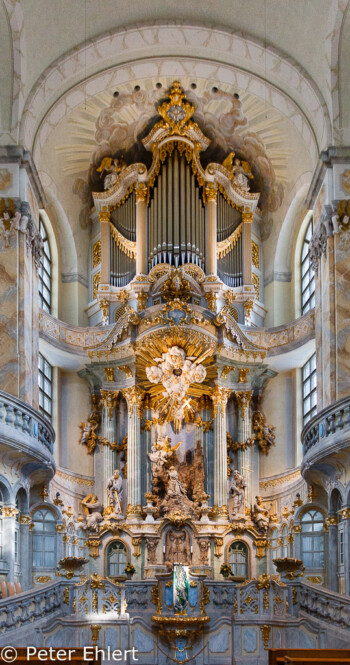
<point>238,559</point>
<point>307,273</point>
<point>312,539</point>
<point>283,552</point>
<point>309,387</point>
<point>116,559</point>
<point>45,387</point>
<point>45,271</point>
<point>44,539</point>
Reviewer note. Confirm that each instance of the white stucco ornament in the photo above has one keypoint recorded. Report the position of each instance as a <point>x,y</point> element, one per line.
<point>176,372</point>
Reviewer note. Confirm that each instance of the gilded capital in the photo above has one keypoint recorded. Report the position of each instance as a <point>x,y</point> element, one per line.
<point>219,397</point>
<point>109,400</point>
<point>243,400</point>
<point>104,215</point>
<point>211,192</point>
<point>134,397</point>
<point>247,217</point>
<point>141,192</point>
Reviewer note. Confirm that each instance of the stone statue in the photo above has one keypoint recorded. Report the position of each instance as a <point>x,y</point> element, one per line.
<point>203,544</point>
<point>115,492</point>
<point>88,432</point>
<point>151,544</point>
<point>240,171</point>
<point>237,490</point>
<point>177,547</point>
<point>260,515</point>
<point>175,487</point>
<point>176,498</point>
<point>93,512</point>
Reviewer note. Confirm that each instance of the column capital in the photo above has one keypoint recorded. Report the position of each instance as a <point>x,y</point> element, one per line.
<point>141,192</point>
<point>104,215</point>
<point>243,398</point>
<point>219,397</point>
<point>247,217</point>
<point>109,400</point>
<point>211,192</point>
<point>9,511</point>
<point>134,397</point>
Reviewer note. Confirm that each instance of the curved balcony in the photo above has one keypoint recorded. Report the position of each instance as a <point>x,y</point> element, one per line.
<point>24,430</point>
<point>327,434</point>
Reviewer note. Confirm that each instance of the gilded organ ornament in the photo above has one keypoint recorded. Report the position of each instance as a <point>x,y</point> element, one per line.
<point>176,372</point>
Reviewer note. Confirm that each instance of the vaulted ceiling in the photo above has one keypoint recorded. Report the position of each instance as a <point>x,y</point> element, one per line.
<point>62,61</point>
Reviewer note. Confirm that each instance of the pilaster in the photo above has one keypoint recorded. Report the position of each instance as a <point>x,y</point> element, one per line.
<point>219,397</point>
<point>134,396</point>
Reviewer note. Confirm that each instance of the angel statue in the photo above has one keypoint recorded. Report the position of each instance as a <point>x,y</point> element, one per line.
<point>240,171</point>
<point>112,167</point>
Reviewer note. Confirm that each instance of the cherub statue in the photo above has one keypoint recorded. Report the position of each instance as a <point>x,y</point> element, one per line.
<point>88,432</point>
<point>93,512</point>
<point>115,492</point>
<point>261,515</point>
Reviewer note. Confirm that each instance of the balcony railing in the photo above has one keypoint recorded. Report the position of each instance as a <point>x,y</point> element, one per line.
<point>331,420</point>
<point>20,423</point>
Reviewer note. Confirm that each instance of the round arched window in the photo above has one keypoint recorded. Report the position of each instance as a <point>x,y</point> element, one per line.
<point>312,539</point>
<point>44,539</point>
<point>116,559</point>
<point>238,559</point>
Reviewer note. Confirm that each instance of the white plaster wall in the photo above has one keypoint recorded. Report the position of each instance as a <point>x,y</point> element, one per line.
<point>279,409</point>
<point>74,409</point>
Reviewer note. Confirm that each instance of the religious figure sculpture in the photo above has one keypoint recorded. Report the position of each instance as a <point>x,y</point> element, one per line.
<point>176,498</point>
<point>112,167</point>
<point>93,512</point>
<point>260,515</point>
<point>161,453</point>
<point>151,544</point>
<point>115,492</point>
<point>240,171</point>
<point>237,489</point>
<point>203,544</point>
<point>177,547</point>
<point>89,429</point>
<point>264,433</point>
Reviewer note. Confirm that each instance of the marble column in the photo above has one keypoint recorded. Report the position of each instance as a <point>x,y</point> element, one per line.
<point>211,263</point>
<point>105,217</point>
<point>244,455</point>
<point>141,235</point>
<point>219,397</point>
<point>108,433</point>
<point>331,558</point>
<point>346,518</point>
<point>25,560</point>
<point>134,397</point>
<point>247,219</point>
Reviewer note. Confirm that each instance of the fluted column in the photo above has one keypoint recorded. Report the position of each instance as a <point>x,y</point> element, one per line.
<point>244,456</point>
<point>105,217</point>
<point>108,433</point>
<point>211,194</point>
<point>332,554</point>
<point>220,396</point>
<point>247,219</point>
<point>134,397</point>
<point>141,235</point>
<point>345,514</point>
